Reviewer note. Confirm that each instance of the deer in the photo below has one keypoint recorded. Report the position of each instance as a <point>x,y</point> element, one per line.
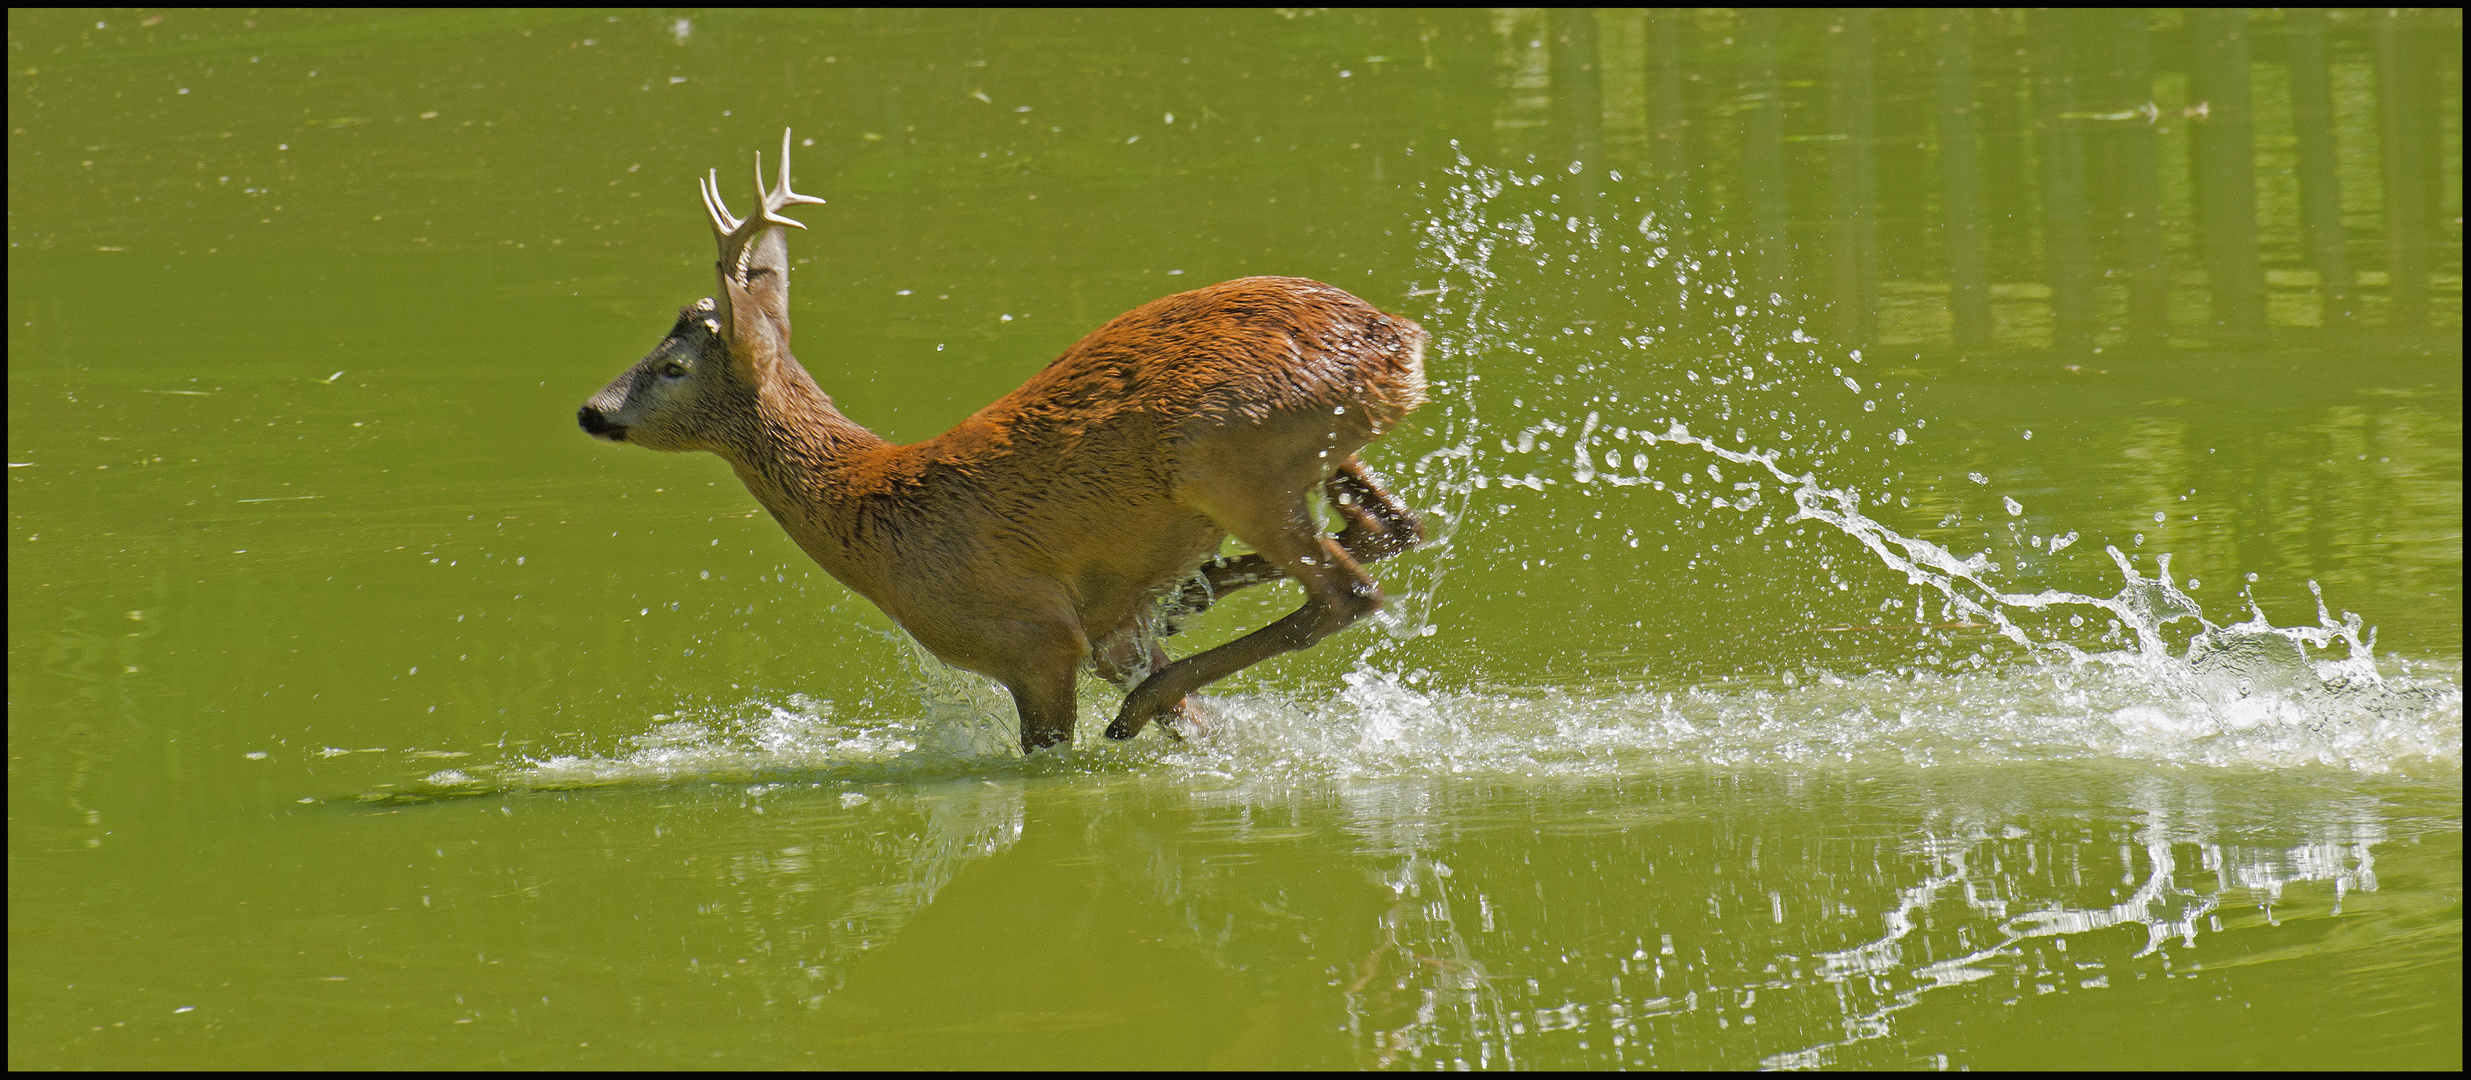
<point>1055,529</point>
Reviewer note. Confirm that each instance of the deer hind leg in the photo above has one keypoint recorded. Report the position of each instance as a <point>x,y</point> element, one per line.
<point>1378,526</point>
<point>1337,592</point>
<point>1128,658</point>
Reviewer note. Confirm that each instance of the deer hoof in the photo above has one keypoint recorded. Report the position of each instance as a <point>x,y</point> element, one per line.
<point>1140,707</point>
<point>1184,720</point>
<point>1127,725</point>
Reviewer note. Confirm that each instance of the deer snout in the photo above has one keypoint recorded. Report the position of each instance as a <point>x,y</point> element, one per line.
<point>598,425</point>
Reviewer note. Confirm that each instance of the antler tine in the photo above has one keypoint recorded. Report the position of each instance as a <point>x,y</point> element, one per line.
<point>769,204</point>
<point>723,222</point>
<point>739,237</point>
<point>787,197</point>
<point>736,234</point>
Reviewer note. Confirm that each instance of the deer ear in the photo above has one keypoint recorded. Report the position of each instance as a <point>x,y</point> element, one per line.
<point>754,264</point>
<point>758,288</point>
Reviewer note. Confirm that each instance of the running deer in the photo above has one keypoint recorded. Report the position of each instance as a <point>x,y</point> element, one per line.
<point>1050,529</point>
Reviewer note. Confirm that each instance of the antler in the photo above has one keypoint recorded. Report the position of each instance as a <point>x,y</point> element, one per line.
<point>738,237</point>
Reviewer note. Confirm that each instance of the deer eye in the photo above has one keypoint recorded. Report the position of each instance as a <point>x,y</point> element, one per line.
<point>673,370</point>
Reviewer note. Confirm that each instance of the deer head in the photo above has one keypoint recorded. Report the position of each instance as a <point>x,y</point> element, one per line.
<point>700,385</point>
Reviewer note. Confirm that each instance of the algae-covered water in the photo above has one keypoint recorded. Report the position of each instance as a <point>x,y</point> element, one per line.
<point>1789,683</point>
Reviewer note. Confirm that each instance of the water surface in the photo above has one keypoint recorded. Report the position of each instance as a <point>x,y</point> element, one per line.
<point>1782,689</point>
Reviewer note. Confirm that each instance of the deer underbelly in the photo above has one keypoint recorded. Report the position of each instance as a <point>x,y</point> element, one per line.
<point>1113,585</point>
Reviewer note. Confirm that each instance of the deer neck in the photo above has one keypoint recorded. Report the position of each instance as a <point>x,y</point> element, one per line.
<point>802,460</point>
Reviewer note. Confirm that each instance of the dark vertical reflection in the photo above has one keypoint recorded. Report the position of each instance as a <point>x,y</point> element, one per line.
<point>2137,179</point>
<point>2224,155</point>
<point>1762,107</point>
<point>2002,121</point>
<point>2055,161</point>
<point>1960,183</point>
<point>2067,254</point>
<point>2320,189</point>
<point>2428,35</point>
<point>1856,228</point>
<point>1668,114</point>
<point>1523,72</point>
<point>1578,104</point>
<point>2399,105</point>
<point>1578,97</point>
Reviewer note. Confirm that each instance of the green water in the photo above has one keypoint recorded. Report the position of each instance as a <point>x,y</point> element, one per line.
<point>364,712</point>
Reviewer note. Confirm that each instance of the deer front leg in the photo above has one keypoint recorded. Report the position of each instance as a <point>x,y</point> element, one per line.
<point>1039,662</point>
<point>1045,704</point>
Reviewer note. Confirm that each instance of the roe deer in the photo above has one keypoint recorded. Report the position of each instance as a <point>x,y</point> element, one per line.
<point>1046,530</point>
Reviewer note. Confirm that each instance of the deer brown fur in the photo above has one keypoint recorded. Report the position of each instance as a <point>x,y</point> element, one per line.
<point>1046,530</point>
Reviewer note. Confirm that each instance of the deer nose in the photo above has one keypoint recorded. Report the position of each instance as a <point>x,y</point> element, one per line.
<point>598,426</point>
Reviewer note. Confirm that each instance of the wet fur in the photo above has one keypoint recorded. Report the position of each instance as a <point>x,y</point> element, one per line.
<point>1042,532</point>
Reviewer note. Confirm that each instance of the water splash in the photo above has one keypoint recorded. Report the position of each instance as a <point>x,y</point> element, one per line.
<point>1745,435</point>
<point>2248,692</point>
<point>964,727</point>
